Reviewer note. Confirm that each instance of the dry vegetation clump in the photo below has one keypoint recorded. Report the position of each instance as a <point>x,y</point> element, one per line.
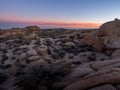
<point>42,77</point>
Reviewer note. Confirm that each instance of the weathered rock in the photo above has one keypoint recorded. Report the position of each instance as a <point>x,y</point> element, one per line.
<point>90,38</point>
<point>33,58</point>
<point>118,87</point>
<point>108,36</point>
<point>31,52</point>
<point>69,44</point>
<point>98,43</point>
<point>110,31</point>
<point>116,53</point>
<point>100,64</point>
<point>80,72</point>
<point>114,65</point>
<point>104,87</point>
<point>83,84</point>
<point>101,56</point>
<point>100,72</point>
<point>30,32</point>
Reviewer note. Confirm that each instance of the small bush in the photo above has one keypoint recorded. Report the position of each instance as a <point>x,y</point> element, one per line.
<point>4,50</point>
<point>37,42</point>
<point>92,57</point>
<point>58,54</point>
<point>49,51</point>
<point>3,77</point>
<point>48,42</point>
<point>42,77</point>
<point>4,58</point>
<point>5,66</point>
<point>61,54</point>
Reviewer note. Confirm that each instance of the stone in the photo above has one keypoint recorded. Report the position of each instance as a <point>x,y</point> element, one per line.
<point>30,32</point>
<point>86,83</point>
<point>31,52</point>
<point>70,44</point>
<point>104,87</point>
<point>117,87</point>
<point>110,31</point>
<point>90,38</point>
<point>107,36</point>
<point>116,53</point>
<point>33,58</point>
<point>80,72</point>
<point>100,64</point>
<point>98,43</point>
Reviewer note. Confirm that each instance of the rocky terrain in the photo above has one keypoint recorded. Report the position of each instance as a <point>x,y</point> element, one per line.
<point>60,59</point>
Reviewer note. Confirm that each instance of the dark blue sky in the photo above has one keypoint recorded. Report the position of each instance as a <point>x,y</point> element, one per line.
<point>67,11</point>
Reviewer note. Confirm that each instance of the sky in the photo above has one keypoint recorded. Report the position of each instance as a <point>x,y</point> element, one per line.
<point>58,13</point>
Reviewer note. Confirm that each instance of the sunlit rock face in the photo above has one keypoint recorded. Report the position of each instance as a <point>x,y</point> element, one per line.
<point>110,31</point>
<point>30,32</point>
<point>107,36</point>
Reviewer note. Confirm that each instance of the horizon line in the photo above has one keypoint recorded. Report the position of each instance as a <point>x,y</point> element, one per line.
<point>58,24</point>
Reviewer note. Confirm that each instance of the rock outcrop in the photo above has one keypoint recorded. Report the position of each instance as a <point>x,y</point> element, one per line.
<point>106,73</point>
<point>30,32</point>
<point>107,36</point>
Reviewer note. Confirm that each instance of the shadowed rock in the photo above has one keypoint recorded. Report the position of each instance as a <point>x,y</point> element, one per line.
<point>83,84</point>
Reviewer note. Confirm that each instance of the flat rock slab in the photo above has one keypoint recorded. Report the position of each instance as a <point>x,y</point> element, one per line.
<point>100,64</point>
<point>104,87</point>
<point>112,77</point>
<point>80,72</point>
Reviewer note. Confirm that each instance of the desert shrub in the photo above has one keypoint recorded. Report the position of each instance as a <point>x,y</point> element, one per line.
<point>37,42</point>
<point>4,50</point>
<point>3,77</point>
<point>92,57</point>
<point>76,62</point>
<point>13,58</point>
<point>27,42</point>
<point>1,39</point>
<point>25,49</point>
<point>18,41</point>
<point>55,56</point>
<point>58,53</point>
<point>16,49</point>
<point>90,48</point>
<point>6,66</point>
<point>4,58</point>
<point>49,61</point>
<point>71,57</point>
<point>42,77</point>
<point>19,69</point>
<point>49,51</point>
<point>61,54</point>
<point>48,42</point>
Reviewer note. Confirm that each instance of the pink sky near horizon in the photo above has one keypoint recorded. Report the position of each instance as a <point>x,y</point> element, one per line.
<point>58,13</point>
<point>47,21</point>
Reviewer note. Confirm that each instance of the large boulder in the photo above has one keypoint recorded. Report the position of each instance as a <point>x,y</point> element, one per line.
<point>90,38</point>
<point>110,31</point>
<point>107,36</point>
